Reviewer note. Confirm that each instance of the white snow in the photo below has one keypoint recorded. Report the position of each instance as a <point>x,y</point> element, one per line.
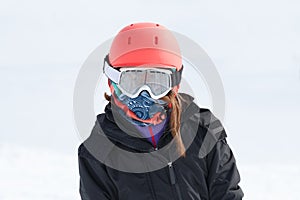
<point>272,181</point>
<point>36,173</point>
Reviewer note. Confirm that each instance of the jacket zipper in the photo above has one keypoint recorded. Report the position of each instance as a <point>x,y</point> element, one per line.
<point>173,180</point>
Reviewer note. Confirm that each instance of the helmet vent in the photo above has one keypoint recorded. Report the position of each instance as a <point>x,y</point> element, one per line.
<point>156,40</point>
<point>129,40</point>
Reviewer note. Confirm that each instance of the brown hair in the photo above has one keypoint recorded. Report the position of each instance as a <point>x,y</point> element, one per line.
<point>175,117</point>
<point>171,98</point>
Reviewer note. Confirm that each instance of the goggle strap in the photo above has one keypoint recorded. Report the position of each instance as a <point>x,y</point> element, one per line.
<point>110,72</point>
<point>176,77</point>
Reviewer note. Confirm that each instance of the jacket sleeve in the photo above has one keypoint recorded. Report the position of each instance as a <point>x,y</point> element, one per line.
<point>94,180</point>
<point>223,175</point>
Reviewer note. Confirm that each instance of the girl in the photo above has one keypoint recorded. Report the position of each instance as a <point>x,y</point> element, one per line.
<point>153,142</point>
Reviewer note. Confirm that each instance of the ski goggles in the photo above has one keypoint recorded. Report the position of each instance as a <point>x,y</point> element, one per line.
<point>133,80</point>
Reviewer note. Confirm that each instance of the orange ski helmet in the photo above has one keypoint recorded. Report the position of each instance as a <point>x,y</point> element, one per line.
<point>145,44</point>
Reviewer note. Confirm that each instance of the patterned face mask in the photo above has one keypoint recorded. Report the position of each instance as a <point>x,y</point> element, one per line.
<point>143,106</point>
<point>141,110</point>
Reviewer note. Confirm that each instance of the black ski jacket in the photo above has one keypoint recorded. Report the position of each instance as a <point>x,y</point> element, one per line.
<point>207,172</point>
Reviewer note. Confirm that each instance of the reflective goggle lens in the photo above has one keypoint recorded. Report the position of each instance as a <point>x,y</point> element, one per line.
<point>133,80</point>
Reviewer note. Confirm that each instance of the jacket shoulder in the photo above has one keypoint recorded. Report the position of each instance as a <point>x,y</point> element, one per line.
<point>212,125</point>
<point>83,152</point>
<point>203,117</point>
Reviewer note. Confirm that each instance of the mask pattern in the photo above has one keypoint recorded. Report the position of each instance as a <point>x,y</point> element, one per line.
<point>144,107</point>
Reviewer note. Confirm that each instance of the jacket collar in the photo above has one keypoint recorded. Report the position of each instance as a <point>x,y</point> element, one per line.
<point>126,136</point>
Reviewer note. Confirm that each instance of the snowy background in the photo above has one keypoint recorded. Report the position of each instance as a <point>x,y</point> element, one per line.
<point>254,45</point>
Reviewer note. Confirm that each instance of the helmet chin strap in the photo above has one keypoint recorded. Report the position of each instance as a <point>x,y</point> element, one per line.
<point>156,119</point>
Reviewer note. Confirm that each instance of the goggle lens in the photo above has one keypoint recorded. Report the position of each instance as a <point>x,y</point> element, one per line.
<point>157,80</point>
